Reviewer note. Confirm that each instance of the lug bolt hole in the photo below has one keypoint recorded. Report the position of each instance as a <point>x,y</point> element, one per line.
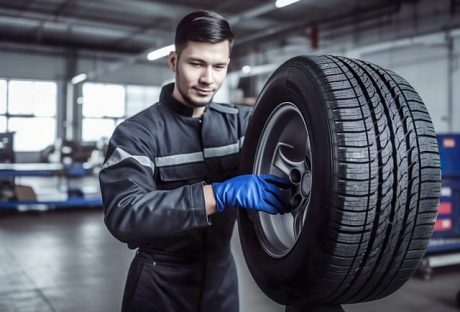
<point>295,176</point>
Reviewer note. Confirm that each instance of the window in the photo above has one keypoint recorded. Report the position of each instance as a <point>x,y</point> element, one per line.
<point>2,97</point>
<point>139,98</point>
<point>2,105</point>
<point>28,108</point>
<point>103,100</point>
<point>32,134</point>
<point>107,105</point>
<point>2,124</point>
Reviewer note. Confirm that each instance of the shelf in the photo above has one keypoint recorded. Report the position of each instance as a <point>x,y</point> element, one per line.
<point>443,245</point>
<point>72,202</point>
<point>47,170</point>
<point>44,170</point>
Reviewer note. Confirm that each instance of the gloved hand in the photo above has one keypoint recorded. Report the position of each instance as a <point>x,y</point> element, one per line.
<point>253,192</point>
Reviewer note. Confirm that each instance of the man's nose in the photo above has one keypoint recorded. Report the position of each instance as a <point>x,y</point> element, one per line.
<point>206,75</point>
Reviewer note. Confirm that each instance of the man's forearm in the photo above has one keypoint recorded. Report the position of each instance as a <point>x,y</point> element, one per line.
<point>209,199</point>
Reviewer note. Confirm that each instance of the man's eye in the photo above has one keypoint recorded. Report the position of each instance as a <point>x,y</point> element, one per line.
<point>196,64</point>
<point>219,67</point>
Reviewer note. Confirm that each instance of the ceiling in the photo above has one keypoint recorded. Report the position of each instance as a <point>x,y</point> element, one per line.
<point>135,26</point>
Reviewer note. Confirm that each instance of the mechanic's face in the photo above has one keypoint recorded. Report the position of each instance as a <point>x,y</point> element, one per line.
<point>200,70</point>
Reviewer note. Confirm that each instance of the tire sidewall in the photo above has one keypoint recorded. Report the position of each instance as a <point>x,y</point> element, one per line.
<point>293,277</point>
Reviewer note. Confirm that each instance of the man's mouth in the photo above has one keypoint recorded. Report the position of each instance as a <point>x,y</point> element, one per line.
<point>203,91</point>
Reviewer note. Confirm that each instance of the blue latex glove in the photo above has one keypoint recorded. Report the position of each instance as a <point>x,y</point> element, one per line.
<point>253,192</point>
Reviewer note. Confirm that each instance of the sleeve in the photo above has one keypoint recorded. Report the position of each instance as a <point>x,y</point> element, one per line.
<point>135,211</point>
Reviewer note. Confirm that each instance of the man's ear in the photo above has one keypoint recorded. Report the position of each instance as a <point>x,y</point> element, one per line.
<point>172,60</point>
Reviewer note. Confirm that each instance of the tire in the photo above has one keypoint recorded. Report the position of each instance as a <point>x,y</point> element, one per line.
<point>359,146</point>
<point>457,299</point>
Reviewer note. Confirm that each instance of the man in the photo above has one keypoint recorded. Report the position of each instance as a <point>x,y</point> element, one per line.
<point>167,181</point>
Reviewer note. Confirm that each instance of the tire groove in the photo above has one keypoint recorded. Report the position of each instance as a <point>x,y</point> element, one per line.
<point>380,213</point>
<point>408,210</point>
<point>334,295</point>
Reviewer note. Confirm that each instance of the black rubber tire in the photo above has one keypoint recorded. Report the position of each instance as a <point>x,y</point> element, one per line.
<point>375,183</point>
<point>457,299</point>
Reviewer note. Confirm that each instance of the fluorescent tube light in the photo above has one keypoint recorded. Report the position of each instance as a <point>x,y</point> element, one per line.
<point>79,78</point>
<point>159,53</point>
<point>283,3</point>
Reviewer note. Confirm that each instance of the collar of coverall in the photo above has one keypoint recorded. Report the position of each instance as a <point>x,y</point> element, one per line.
<point>167,98</point>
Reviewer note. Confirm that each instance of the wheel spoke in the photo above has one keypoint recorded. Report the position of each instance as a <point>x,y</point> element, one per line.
<point>281,162</point>
<point>297,214</point>
<point>292,169</point>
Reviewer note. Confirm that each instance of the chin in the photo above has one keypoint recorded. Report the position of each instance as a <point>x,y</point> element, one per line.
<point>200,102</point>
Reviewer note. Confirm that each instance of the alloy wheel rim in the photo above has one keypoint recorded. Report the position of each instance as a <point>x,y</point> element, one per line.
<point>284,149</point>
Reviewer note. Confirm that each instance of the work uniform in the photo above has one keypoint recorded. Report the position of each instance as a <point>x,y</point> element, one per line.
<point>152,188</point>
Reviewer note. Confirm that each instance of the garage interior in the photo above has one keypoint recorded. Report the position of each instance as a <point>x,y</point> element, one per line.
<point>71,71</point>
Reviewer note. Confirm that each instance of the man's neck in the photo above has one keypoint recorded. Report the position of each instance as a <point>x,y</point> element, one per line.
<point>197,111</point>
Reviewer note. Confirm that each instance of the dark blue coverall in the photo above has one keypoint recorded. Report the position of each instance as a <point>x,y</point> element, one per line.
<point>152,188</point>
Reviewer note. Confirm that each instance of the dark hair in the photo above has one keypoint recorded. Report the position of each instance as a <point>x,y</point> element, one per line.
<point>202,26</point>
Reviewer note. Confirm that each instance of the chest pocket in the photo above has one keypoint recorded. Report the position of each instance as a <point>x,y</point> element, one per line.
<point>222,168</point>
<point>176,176</point>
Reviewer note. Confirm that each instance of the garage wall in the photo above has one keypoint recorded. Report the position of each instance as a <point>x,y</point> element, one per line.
<point>429,65</point>
<point>455,68</point>
<point>28,65</point>
<point>412,40</point>
<point>20,63</point>
<point>426,66</point>
<point>15,65</point>
<point>415,43</point>
<point>400,41</point>
<point>153,74</point>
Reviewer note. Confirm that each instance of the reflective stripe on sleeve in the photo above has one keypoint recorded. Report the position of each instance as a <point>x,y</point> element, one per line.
<point>179,159</point>
<point>119,154</point>
<point>221,150</point>
<point>182,159</point>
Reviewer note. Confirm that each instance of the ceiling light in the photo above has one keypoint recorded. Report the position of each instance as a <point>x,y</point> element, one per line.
<point>246,69</point>
<point>159,53</point>
<point>79,78</point>
<point>283,3</point>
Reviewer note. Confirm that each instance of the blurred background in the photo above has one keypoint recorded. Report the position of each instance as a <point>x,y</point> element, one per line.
<point>72,70</point>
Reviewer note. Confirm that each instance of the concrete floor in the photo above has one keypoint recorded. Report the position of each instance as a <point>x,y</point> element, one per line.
<point>66,260</point>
